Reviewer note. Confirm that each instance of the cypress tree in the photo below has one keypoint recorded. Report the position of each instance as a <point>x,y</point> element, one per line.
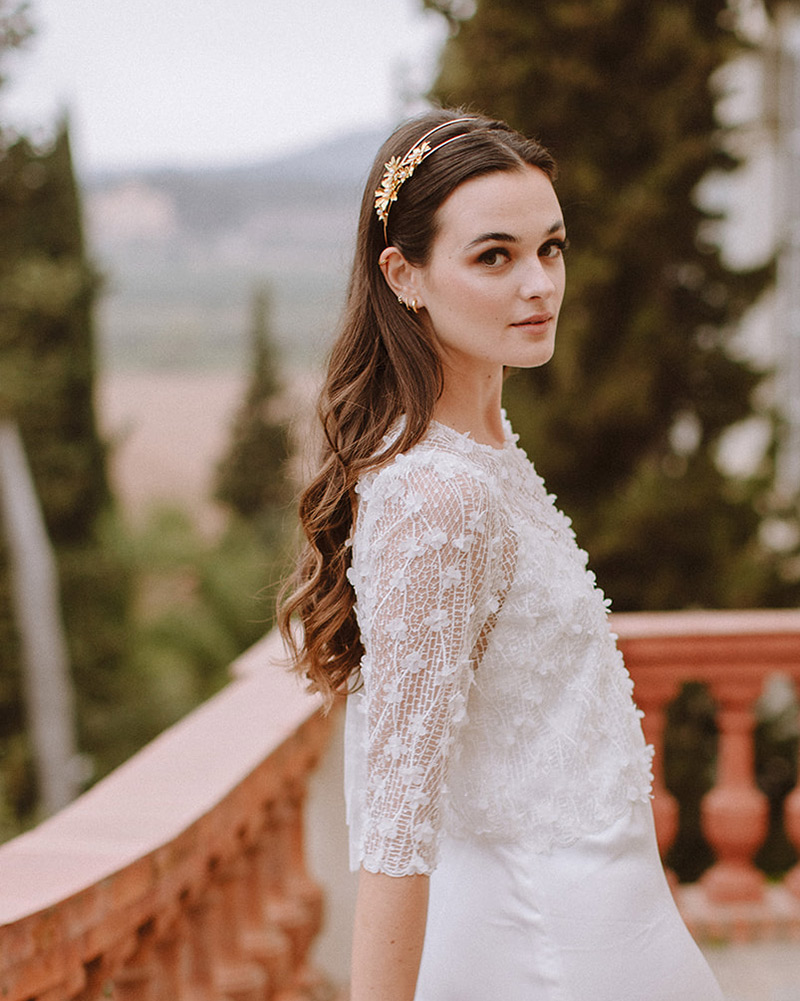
<point>251,477</point>
<point>49,290</point>
<point>625,422</point>
<point>47,376</point>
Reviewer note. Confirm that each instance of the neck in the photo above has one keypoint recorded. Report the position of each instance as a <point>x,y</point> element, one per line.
<point>473,406</point>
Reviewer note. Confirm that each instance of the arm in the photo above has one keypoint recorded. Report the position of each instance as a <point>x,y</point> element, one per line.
<point>420,575</point>
<point>387,936</point>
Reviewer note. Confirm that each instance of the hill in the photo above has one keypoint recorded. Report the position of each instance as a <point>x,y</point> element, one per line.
<point>181,250</point>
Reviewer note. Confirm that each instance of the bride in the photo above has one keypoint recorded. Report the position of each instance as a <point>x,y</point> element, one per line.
<point>497,780</point>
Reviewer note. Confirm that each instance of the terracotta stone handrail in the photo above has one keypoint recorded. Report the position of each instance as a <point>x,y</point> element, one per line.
<point>181,875</point>
<point>733,653</point>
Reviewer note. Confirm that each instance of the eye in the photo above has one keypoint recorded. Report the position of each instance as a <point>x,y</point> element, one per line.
<point>494,256</point>
<point>553,248</point>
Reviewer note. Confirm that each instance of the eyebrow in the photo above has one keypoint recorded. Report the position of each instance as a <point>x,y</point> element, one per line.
<point>508,237</point>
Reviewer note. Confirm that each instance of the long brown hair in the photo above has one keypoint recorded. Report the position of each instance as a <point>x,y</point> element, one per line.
<point>383,365</point>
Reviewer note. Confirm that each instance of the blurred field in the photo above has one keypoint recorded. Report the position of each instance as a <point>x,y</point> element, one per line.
<point>166,432</point>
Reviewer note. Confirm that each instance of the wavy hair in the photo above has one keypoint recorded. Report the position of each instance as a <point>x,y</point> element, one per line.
<point>383,365</point>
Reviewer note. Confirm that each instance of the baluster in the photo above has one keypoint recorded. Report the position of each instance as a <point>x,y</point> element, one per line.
<point>291,912</point>
<point>237,978</point>
<point>735,811</point>
<point>135,981</point>
<point>214,972</point>
<point>284,910</point>
<point>304,894</point>
<point>293,907</point>
<point>263,941</point>
<point>170,954</point>
<point>305,890</point>
<point>199,953</point>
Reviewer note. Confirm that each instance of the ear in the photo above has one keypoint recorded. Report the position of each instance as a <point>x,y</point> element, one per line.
<point>401,277</point>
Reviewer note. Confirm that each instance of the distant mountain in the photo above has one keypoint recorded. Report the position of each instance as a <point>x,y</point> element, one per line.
<point>342,159</point>
<point>182,250</point>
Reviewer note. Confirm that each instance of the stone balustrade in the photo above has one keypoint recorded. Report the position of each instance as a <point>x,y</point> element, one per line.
<point>733,653</point>
<point>182,874</point>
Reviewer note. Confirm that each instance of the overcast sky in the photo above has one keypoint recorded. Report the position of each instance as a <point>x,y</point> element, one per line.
<point>152,82</point>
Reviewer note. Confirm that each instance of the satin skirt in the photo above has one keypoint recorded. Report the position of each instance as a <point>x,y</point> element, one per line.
<point>592,922</point>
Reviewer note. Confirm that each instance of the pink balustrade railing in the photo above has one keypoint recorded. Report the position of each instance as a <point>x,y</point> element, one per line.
<point>733,653</point>
<point>182,875</point>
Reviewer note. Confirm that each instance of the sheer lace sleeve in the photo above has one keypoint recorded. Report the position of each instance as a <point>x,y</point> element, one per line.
<point>421,571</point>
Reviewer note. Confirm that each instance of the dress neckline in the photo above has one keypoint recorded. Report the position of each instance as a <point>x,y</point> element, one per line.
<point>466,437</point>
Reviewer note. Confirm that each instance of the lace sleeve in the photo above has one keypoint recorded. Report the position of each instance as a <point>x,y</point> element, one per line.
<point>421,573</point>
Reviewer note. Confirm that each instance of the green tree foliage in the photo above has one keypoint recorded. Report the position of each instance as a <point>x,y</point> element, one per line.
<point>252,476</point>
<point>47,376</point>
<point>199,603</point>
<point>48,290</point>
<point>625,422</point>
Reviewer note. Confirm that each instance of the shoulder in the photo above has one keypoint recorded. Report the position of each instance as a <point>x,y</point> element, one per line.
<point>431,507</point>
<point>428,478</point>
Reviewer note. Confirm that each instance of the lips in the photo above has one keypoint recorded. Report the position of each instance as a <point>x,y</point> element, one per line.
<point>533,321</point>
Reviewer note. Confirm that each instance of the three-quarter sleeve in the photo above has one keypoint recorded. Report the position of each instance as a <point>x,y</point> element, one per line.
<point>421,567</point>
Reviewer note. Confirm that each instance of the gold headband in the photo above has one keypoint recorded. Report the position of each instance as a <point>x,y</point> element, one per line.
<point>398,170</point>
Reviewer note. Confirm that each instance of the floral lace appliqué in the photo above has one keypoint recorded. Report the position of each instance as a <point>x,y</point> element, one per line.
<point>494,701</point>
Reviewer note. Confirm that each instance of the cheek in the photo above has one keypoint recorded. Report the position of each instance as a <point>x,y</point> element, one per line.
<point>562,280</point>
<point>457,293</point>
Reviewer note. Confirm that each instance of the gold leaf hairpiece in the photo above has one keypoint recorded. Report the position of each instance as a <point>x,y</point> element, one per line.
<point>398,170</point>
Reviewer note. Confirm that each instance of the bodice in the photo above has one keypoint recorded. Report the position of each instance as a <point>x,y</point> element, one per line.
<point>494,702</point>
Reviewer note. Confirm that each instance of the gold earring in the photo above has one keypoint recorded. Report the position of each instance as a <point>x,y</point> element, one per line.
<point>412,306</point>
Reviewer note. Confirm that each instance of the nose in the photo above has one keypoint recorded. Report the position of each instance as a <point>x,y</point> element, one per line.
<point>538,278</point>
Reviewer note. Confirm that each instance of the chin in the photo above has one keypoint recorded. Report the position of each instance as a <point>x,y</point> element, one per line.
<point>533,359</point>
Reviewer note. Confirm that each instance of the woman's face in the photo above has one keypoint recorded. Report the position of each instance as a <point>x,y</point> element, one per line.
<point>494,280</point>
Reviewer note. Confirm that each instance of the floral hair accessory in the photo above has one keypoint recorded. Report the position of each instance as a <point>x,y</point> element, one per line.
<point>398,170</point>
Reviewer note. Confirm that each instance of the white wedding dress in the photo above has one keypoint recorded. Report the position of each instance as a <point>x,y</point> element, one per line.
<point>495,745</point>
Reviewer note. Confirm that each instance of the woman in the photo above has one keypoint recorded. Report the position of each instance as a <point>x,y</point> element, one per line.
<point>497,778</point>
